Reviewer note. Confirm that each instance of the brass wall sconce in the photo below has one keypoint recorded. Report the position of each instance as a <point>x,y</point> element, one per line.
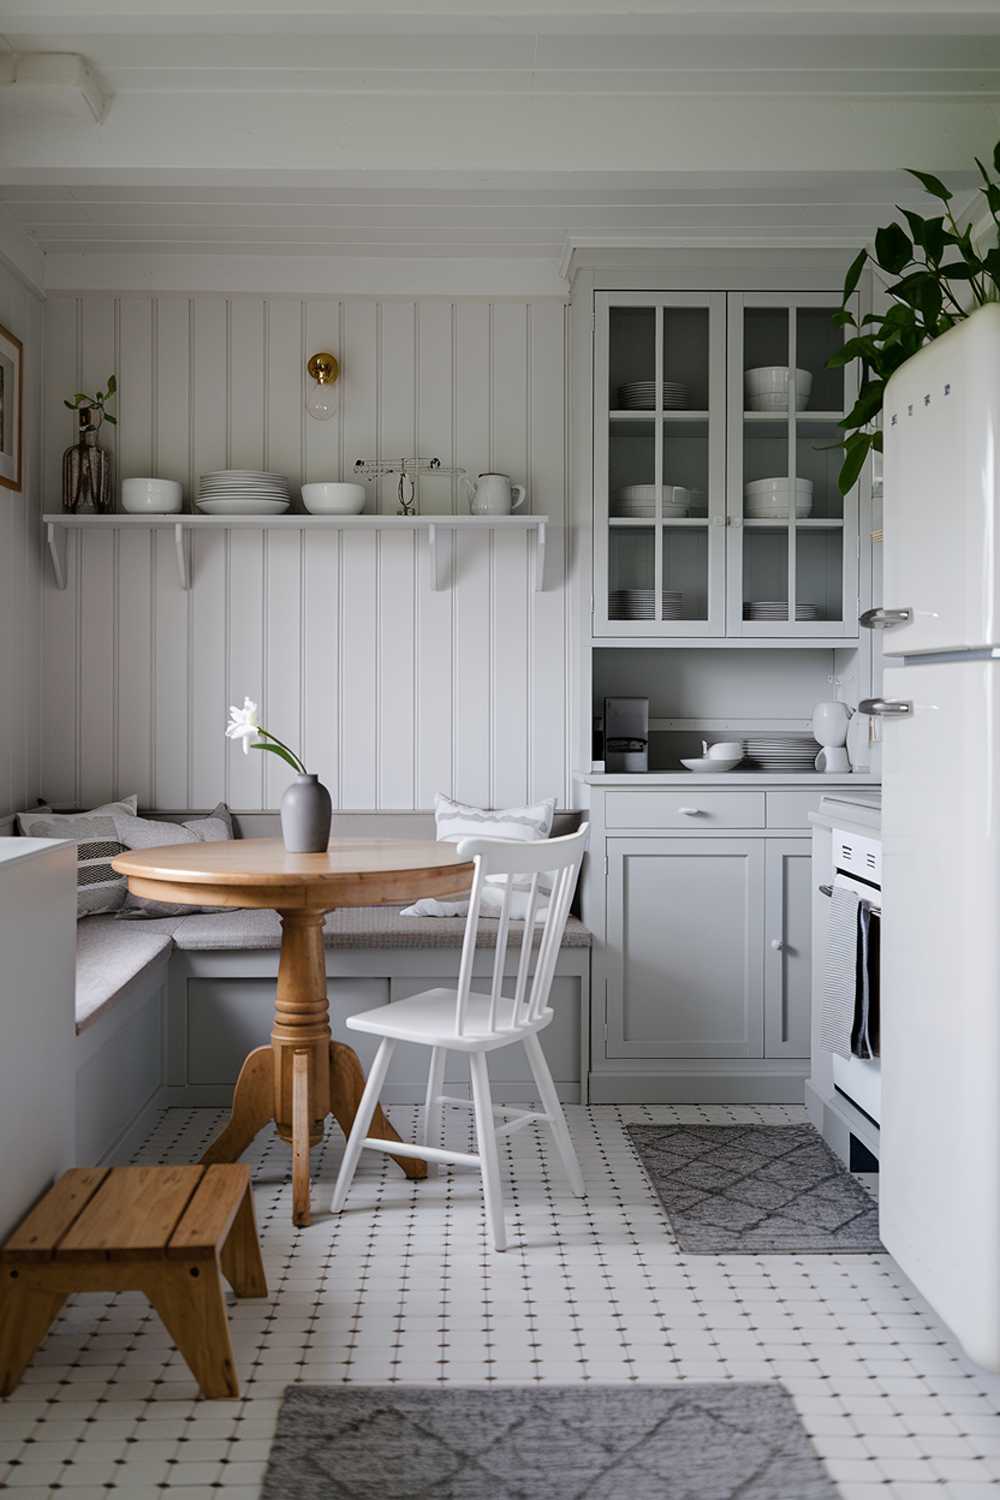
<point>323,397</point>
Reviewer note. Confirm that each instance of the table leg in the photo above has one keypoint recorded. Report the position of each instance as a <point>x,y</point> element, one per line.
<point>304,1075</point>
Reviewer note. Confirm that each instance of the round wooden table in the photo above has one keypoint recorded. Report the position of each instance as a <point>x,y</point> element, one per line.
<point>304,1075</point>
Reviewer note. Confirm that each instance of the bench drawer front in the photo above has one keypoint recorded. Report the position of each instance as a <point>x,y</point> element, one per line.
<point>690,809</point>
<point>792,809</point>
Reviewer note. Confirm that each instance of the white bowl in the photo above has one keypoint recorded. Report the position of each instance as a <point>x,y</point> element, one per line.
<point>766,488</point>
<point>333,499</point>
<point>152,497</point>
<point>767,388</point>
<point>712,766</point>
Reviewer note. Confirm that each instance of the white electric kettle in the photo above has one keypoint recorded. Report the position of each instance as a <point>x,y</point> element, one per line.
<point>493,494</point>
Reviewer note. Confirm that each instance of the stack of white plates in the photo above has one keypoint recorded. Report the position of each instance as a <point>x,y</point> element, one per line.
<point>243,492</point>
<point>769,499</point>
<point>640,604</point>
<point>640,395</point>
<point>777,609</point>
<point>638,501</point>
<point>792,753</point>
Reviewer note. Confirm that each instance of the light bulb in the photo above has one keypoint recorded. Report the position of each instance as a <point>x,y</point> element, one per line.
<point>322,396</point>
<point>322,401</point>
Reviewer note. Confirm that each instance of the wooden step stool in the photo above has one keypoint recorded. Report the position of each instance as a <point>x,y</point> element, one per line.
<point>166,1231</point>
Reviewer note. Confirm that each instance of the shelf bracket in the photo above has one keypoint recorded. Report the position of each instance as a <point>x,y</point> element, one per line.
<point>540,558</point>
<point>56,538</point>
<point>183,557</point>
<point>439,546</point>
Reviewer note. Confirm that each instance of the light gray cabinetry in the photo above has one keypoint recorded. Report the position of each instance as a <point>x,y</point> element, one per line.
<point>787,947</point>
<point>686,931</point>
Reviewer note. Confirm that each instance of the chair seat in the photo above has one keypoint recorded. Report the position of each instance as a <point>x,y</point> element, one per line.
<point>430,1018</point>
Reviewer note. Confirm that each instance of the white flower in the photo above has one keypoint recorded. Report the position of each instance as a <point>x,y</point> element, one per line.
<point>243,724</point>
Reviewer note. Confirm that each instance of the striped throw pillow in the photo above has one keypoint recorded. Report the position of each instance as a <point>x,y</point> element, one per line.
<point>98,888</point>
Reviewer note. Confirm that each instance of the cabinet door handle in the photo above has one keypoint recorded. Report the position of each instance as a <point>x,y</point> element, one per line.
<point>690,812</point>
<point>885,708</point>
<point>883,619</point>
<point>777,944</point>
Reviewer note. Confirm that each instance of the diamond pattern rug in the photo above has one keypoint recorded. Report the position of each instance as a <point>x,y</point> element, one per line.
<point>679,1442</point>
<point>756,1189</point>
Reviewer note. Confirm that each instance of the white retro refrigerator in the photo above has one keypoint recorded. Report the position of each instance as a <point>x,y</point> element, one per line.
<point>940,712</point>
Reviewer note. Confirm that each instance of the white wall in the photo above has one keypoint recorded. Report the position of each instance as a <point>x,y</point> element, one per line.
<point>21,567</point>
<point>392,690</point>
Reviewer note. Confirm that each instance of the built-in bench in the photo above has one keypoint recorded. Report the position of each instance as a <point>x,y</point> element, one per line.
<point>168,1007</point>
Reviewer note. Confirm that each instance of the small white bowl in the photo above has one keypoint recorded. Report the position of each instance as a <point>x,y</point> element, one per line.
<point>334,499</point>
<point>706,763</point>
<point>765,488</point>
<point>152,497</point>
<point>767,388</point>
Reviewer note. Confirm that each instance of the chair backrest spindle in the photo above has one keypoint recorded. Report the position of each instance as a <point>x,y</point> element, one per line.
<point>509,862</point>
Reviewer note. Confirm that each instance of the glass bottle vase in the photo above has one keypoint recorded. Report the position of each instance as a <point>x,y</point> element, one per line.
<point>87,472</point>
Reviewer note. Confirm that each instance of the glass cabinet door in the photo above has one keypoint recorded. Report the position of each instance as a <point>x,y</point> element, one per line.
<point>792,552</point>
<point>659,441</point>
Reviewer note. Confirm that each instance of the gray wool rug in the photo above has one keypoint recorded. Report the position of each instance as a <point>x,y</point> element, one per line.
<point>675,1442</point>
<point>756,1190</point>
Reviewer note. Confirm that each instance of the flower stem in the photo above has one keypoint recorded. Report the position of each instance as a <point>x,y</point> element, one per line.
<point>288,750</point>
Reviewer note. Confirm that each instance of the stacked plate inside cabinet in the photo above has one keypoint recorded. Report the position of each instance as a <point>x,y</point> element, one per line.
<point>243,492</point>
<point>792,753</point>
<point>638,502</point>
<point>640,604</point>
<point>640,395</point>
<point>777,609</point>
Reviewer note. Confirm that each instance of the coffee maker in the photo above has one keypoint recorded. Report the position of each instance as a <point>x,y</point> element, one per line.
<point>626,735</point>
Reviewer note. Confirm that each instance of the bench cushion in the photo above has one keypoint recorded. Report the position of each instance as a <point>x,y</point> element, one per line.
<point>110,954</point>
<point>352,928</point>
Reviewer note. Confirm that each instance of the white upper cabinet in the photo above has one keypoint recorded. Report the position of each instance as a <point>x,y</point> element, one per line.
<point>659,472</point>
<point>716,507</point>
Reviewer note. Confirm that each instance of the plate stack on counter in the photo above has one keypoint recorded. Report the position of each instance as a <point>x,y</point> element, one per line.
<point>243,492</point>
<point>791,754</point>
<point>640,604</point>
<point>640,395</point>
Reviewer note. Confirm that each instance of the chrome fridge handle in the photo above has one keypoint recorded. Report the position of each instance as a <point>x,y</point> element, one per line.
<point>883,619</point>
<point>885,708</point>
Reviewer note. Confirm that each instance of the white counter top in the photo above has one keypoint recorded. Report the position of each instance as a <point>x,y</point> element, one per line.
<point>727,778</point>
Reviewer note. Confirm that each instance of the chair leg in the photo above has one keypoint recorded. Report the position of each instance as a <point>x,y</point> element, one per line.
<point>431,1132</point>
<point>488,1159</point>
<point>552,1107</point>
<point>362,1120</point>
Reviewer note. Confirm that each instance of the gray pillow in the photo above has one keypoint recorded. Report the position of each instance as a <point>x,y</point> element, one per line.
<point>98,887</point>
<point>154,833</point>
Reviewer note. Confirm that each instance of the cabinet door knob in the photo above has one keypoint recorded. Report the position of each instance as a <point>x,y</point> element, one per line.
<point>777,944</point>
<point>690,812</point>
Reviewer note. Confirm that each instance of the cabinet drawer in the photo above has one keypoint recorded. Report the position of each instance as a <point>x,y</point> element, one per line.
<point>791,809</point>
<point>690,809</point>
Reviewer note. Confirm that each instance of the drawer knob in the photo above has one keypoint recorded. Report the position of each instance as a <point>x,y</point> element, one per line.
<point>690,812</point>
<point>777,944</point>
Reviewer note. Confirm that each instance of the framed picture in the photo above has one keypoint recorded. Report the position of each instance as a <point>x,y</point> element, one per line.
<point>11,376</point>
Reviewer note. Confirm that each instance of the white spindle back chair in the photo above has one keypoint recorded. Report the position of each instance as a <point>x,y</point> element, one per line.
<point>465,1020</point>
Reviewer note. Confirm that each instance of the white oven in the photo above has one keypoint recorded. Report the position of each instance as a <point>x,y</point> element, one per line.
<point>857,861</point>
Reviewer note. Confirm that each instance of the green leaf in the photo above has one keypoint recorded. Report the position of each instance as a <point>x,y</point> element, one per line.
<point>935,239</point>
<point>893,248</point>
<point>844,319</point>
<point>81,396</point>
<point>858,348</point>
<point>932,184</point>
<point>957,270</point>
<point>996,157</point>
<point>854,462</point>
<point>112,385</point>
<point>867,406</point>
<point>276,750</point>
<point>991,264</point>
<point>916,224</point>
<point>70,404</point>
<point>109,418</point>
<point>854,273</point>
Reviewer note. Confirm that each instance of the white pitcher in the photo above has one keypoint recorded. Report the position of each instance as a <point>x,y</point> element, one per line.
<point>493,494</point>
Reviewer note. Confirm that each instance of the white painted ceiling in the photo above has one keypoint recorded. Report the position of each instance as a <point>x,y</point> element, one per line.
<point>481,130</point>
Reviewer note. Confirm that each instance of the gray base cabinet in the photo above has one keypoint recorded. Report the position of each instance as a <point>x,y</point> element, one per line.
<point>703,939</point>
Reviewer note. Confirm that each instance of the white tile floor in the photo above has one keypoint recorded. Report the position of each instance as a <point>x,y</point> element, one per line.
<point>405,1287</point>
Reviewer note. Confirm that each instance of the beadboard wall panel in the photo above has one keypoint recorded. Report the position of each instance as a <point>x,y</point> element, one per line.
<point>394,690</point>
<point>21,567</point>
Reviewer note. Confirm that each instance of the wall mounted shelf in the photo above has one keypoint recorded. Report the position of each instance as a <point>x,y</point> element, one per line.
<point>57,525</point>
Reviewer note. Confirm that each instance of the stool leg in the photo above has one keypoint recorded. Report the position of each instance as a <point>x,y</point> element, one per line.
<point>26,1316</point>
<point>190,1303</point>
<point>241,1262</point>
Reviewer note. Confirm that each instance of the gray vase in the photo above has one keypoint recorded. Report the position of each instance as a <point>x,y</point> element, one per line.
<point>306,811</point>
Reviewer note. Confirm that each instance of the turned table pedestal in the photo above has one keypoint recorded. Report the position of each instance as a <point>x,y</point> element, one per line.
<point>304,1075</point>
